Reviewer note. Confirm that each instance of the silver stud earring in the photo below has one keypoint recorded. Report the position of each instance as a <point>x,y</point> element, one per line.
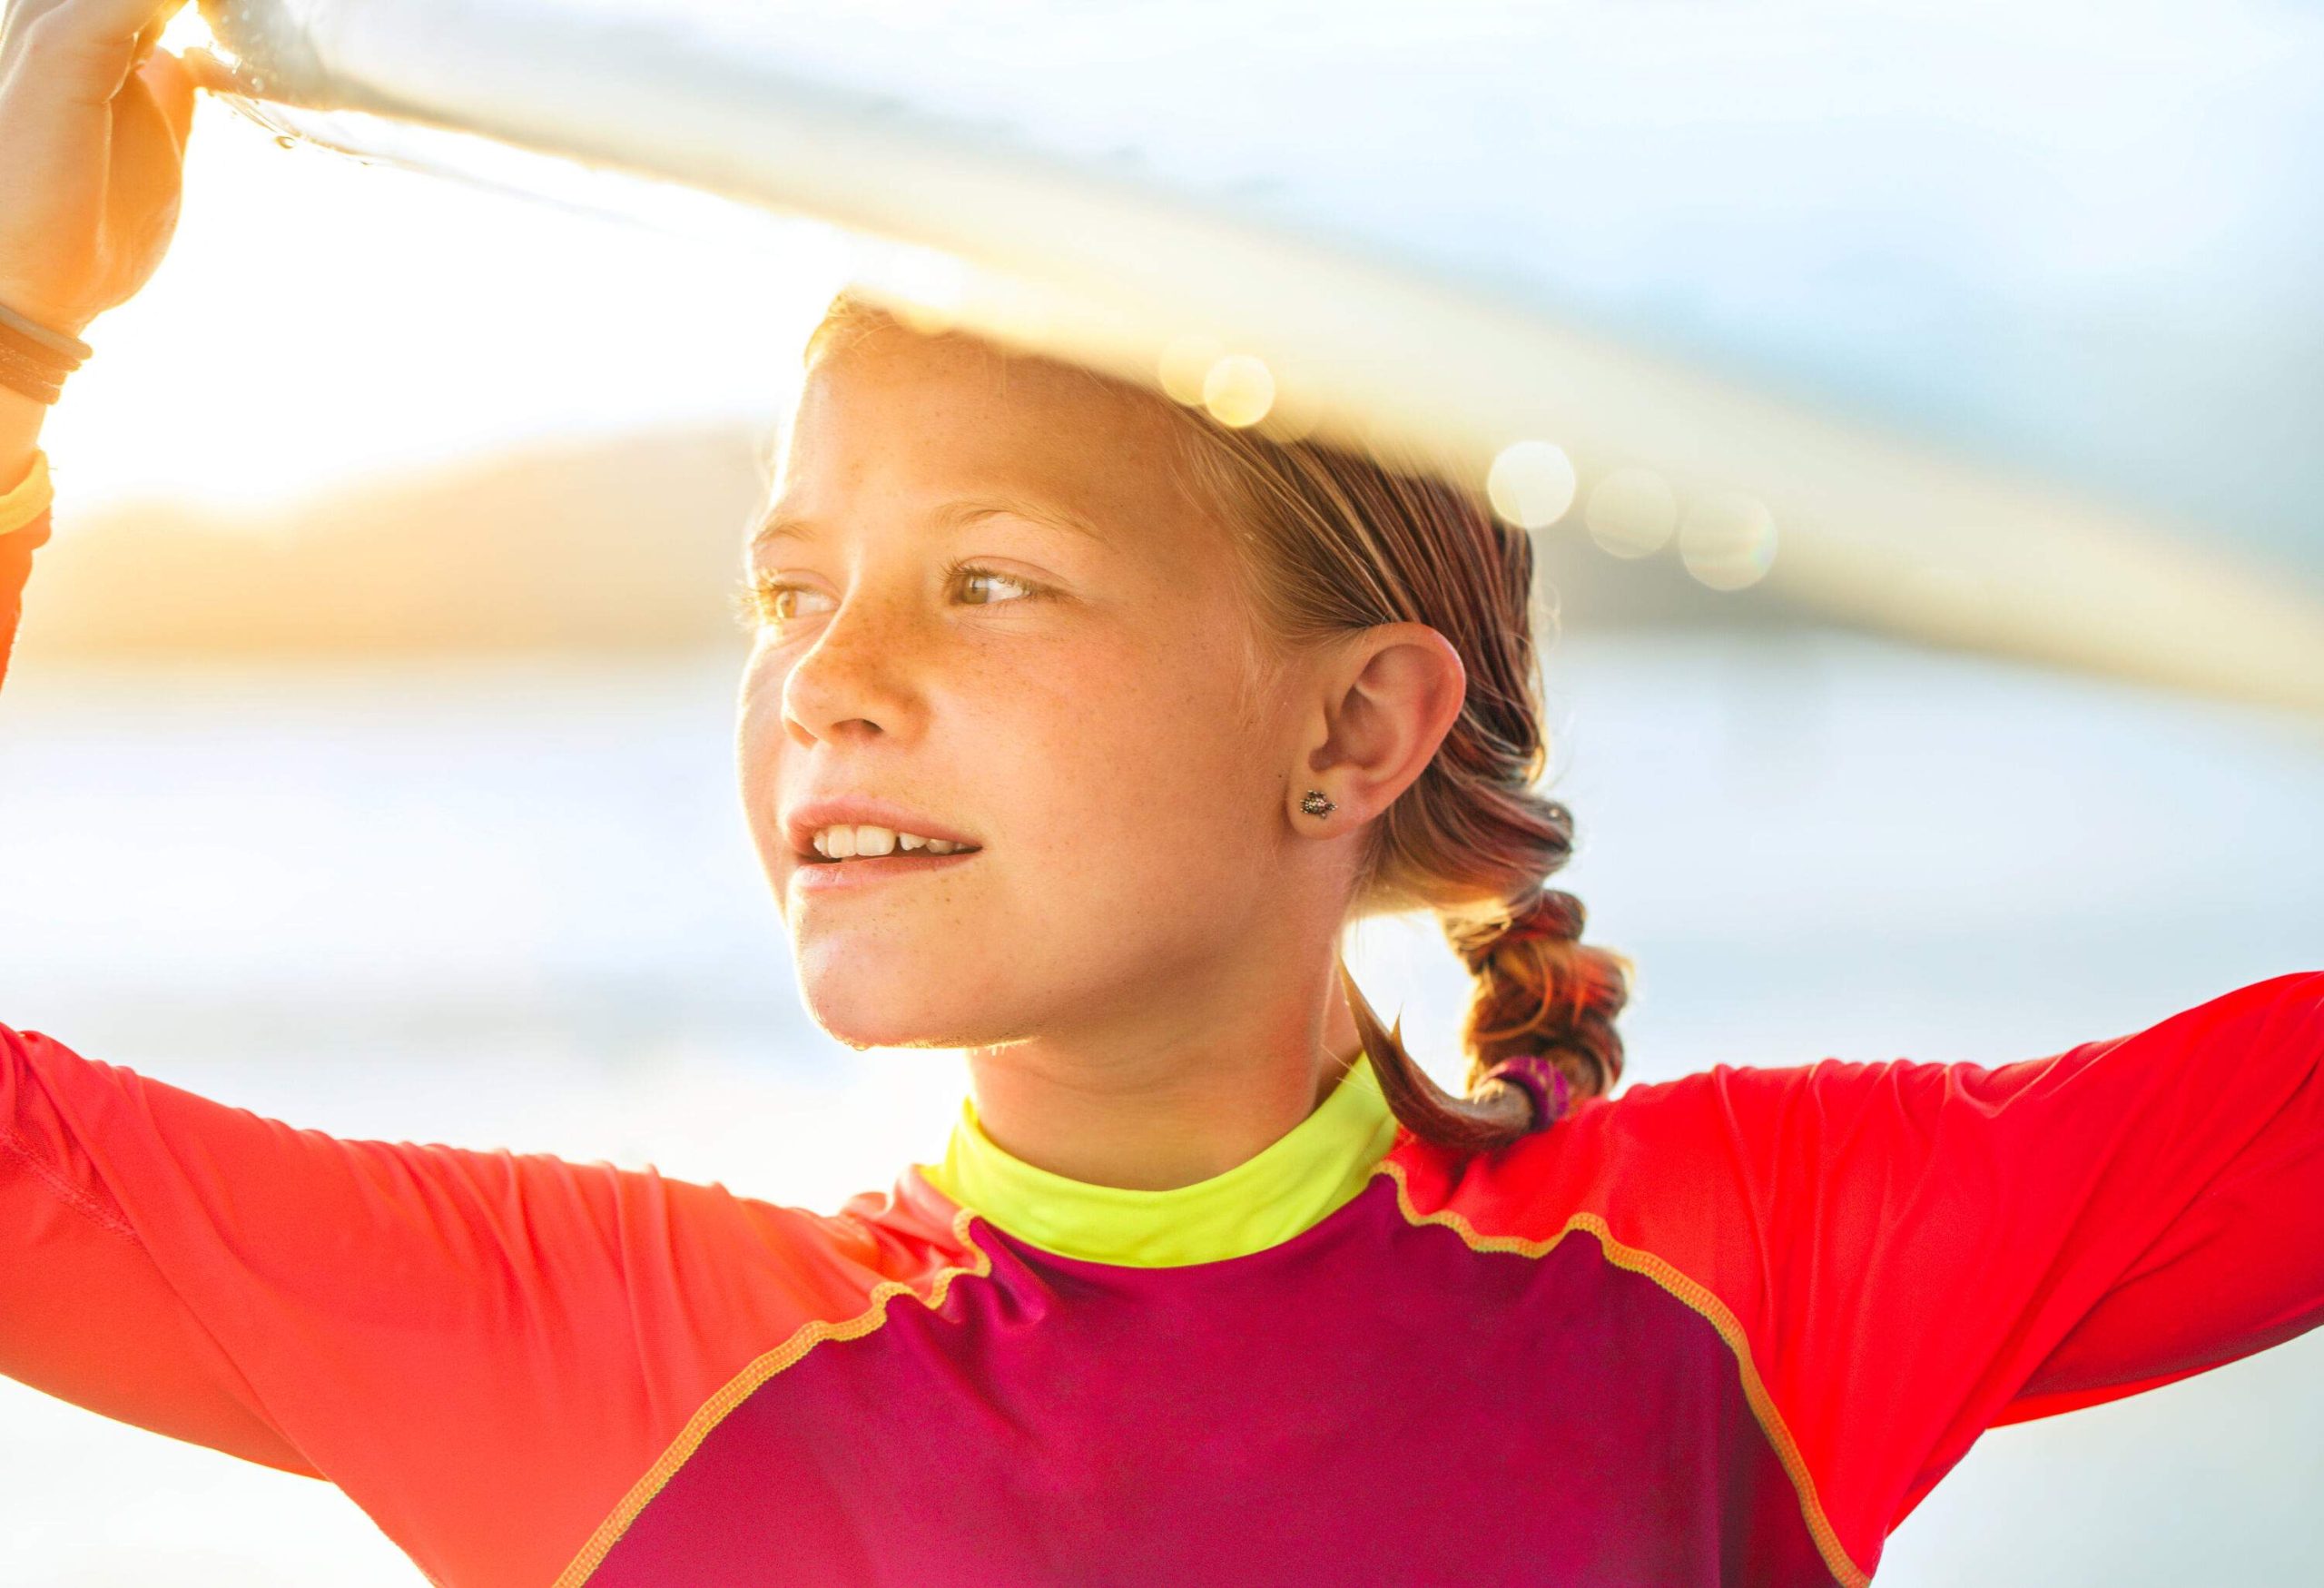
<point>1316,804</point>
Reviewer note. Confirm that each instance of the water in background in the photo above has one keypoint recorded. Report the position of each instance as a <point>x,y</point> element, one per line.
<point>515,907</point>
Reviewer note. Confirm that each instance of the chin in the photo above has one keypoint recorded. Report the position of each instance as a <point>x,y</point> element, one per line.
<point>867,1010</point>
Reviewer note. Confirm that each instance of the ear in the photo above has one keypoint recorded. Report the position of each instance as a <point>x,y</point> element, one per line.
<point>1388,699</point>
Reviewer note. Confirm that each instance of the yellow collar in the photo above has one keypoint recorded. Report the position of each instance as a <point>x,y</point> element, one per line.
<point>1291,1185</point>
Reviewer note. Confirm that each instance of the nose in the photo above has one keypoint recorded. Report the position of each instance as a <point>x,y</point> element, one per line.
<point>849,682</point>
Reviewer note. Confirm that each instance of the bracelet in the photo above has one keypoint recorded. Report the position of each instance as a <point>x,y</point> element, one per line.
<point>69,347</point>
<point>19,373</point>
<point>34,359</point>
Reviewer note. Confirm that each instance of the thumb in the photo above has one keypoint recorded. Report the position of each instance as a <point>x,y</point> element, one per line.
<point>172,87</point>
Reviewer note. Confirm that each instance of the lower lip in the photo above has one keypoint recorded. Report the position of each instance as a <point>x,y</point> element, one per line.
<point>846,875</point>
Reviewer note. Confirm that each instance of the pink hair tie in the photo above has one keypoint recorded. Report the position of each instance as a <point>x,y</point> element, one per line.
<point>1540,1080</point>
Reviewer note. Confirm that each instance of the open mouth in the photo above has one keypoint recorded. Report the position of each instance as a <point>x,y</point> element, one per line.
<point>850,843</point>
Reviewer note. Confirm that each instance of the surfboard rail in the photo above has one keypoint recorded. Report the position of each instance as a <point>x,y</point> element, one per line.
<point>1033,229</point>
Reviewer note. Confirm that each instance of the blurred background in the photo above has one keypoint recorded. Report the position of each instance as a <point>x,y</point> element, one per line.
<point>366,764</point>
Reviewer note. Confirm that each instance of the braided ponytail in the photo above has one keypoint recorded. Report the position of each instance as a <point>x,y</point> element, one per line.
<point>1541,995</point>
<point>1541,991</point>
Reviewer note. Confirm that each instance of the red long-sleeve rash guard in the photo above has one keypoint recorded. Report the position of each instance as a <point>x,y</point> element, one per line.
<point>1725,1328</point>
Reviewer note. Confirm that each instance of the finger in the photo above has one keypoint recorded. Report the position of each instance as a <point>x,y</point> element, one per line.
<point>172,89</point>
<point>86,49</point>
<point>208,71</point>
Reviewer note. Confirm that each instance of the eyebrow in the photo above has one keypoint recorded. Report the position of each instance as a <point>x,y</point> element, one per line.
<point>951,518</point>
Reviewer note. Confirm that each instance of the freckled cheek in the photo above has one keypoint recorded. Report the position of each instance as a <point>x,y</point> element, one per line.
<point>1134,765</point>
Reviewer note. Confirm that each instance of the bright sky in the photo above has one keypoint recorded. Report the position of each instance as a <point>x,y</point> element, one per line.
<point>319,318</point>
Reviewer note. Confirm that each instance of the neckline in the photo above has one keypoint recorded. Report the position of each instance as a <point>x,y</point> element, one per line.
<point>1286,1187</point>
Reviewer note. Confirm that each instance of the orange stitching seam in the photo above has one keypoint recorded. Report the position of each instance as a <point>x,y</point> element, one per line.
<point>737,1389</point>
<point>63,1189</point>
<point>1714,1310</point>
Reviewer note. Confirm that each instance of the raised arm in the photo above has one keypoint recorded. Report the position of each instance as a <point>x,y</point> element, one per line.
<point>485,1350</point>
<point>1902,1255</point>
<point>1915,1252</point>
<point>93,123</point>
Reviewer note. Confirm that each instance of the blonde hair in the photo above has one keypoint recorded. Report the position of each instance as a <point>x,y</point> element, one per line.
<point>1331,543</point>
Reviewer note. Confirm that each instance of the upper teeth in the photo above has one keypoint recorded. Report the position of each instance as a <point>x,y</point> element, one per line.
<point>847,840</point>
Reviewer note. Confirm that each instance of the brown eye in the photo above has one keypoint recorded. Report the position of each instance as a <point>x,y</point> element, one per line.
<point>973,577</point>
<point>774,604</point>
<point>770,602</point>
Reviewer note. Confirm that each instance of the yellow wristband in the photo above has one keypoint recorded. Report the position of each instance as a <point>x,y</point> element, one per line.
<point>29,500</point>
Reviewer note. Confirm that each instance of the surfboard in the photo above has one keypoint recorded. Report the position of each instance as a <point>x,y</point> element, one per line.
<point>1998,327</point>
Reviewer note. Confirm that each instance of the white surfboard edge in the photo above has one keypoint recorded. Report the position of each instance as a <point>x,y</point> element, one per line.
<point>1879,526</point>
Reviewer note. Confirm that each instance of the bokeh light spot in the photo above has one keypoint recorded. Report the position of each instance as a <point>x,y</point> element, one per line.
<point>1531,484</point>
<point>1633,512</point>
<point>1239,390</point>
<point>1728,540</point>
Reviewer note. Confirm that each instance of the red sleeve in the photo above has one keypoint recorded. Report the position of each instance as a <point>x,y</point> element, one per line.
<point>16,548</point>
<point>1915,1252</point>
<point>489,1352</point>
<point>1903,1255</point>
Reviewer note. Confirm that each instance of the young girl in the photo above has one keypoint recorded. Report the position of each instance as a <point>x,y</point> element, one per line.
<point>1076,730</point>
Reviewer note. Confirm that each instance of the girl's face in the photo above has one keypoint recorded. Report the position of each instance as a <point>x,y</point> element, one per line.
<point>988,609</point>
